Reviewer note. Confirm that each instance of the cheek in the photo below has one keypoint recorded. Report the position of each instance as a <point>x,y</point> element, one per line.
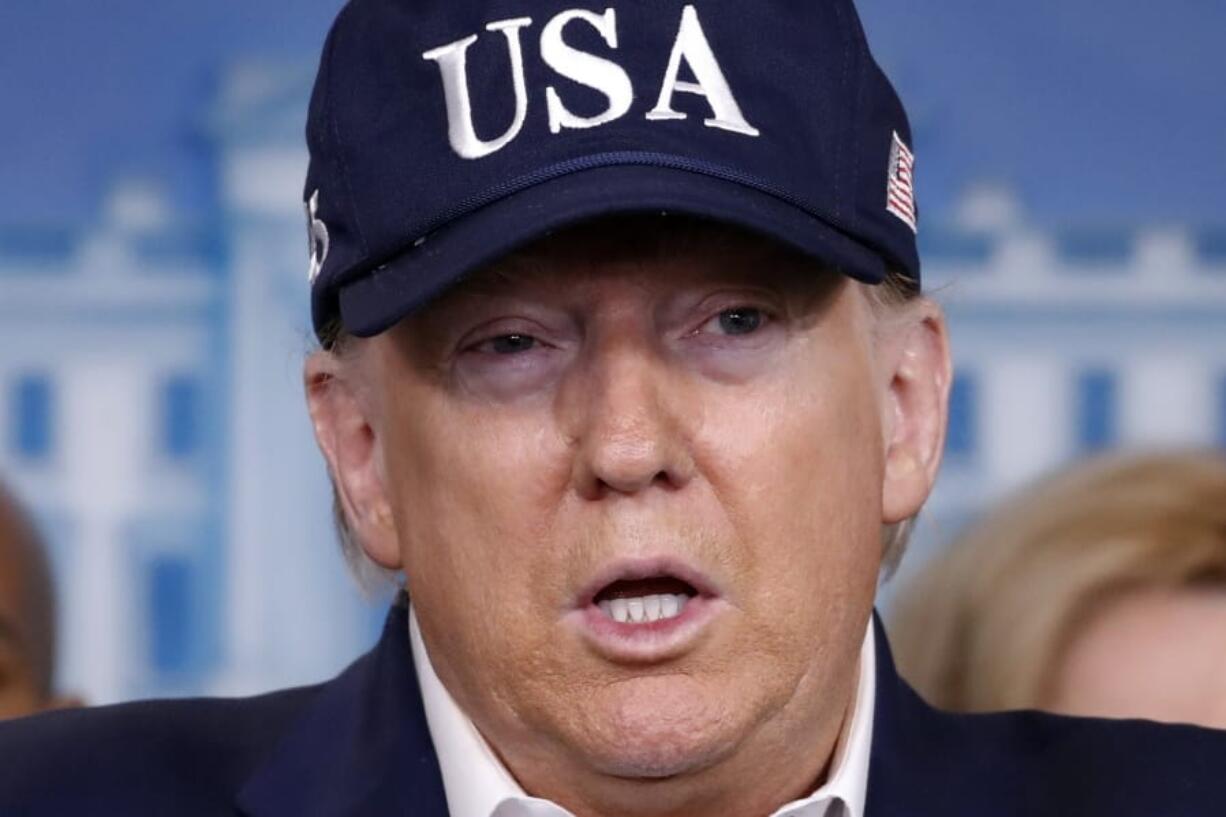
<point>810,445</point>
<point>799,471</point>
<point>473,501</point>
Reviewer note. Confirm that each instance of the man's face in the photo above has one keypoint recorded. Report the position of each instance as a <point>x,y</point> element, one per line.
<point>694,434</point>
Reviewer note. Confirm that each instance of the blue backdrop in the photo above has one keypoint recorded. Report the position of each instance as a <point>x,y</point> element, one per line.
<point>153,299</point>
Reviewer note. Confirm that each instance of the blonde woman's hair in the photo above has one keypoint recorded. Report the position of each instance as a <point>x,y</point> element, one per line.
<point>985,624</point>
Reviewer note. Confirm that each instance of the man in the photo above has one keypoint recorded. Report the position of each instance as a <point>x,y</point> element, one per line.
<point>27,617</point>
<point>625,370</point>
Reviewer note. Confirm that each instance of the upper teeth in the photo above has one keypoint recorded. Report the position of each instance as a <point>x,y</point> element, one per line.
<point>644,608</point>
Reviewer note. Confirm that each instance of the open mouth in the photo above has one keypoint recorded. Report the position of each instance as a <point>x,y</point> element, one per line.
<point>645,601</point>
<point>647,610</point>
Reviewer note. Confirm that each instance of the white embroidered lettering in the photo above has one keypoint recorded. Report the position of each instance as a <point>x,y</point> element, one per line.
<point>317,237</point>
<point>603,75</point>
<point>692,46</point>
<point>452,63</point>
<point>598,73</point>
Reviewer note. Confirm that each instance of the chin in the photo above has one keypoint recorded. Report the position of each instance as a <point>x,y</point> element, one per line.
<point>656,728</point>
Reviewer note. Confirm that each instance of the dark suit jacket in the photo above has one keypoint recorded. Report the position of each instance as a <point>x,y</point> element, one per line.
<point>359,745</point>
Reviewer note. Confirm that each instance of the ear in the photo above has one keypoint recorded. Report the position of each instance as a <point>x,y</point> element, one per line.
<point>916,406</point>
<point>345,429</point>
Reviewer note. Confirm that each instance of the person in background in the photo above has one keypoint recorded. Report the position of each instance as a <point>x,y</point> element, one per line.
<point>1100,591</point>
<point>27,617</point>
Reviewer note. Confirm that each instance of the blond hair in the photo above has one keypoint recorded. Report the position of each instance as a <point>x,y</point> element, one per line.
<point>985,624</point>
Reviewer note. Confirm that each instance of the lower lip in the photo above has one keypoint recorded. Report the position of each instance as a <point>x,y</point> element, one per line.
<point>647,642</point>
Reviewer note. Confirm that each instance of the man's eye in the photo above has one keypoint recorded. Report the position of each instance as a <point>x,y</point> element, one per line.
<point>509,344</point>
<point>741,320</point>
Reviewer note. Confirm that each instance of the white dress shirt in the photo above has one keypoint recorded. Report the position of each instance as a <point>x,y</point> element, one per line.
<point>478,784</point>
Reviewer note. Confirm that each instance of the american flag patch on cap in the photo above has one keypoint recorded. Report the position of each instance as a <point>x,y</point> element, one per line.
<point>900,191</point>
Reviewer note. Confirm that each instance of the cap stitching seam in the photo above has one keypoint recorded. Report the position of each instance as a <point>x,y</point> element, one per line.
<point>336,135</point>
<point>838,159</point>
<point>858,155</point>
<point>526,181</point>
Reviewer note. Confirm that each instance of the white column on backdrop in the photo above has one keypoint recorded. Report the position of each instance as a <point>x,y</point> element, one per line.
<point>1167,401</point>
<point>104,417</point>
<point>293,614</point>
<point>1025,415</point>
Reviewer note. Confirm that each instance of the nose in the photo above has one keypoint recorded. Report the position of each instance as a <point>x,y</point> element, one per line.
<point>627,437</point>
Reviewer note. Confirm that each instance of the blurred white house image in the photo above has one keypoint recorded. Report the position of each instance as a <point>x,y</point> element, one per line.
<point>151,409</point>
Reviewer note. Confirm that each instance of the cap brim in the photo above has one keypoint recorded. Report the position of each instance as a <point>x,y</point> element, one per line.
<point>377,301</point>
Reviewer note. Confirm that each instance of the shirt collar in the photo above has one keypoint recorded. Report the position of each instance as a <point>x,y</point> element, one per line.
<point>478,784</point>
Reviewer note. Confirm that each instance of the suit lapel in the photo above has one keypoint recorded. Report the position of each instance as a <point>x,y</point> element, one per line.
<point>362,749</point>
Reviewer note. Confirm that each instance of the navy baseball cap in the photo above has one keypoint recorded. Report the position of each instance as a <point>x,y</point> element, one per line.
<point>446,133</point>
